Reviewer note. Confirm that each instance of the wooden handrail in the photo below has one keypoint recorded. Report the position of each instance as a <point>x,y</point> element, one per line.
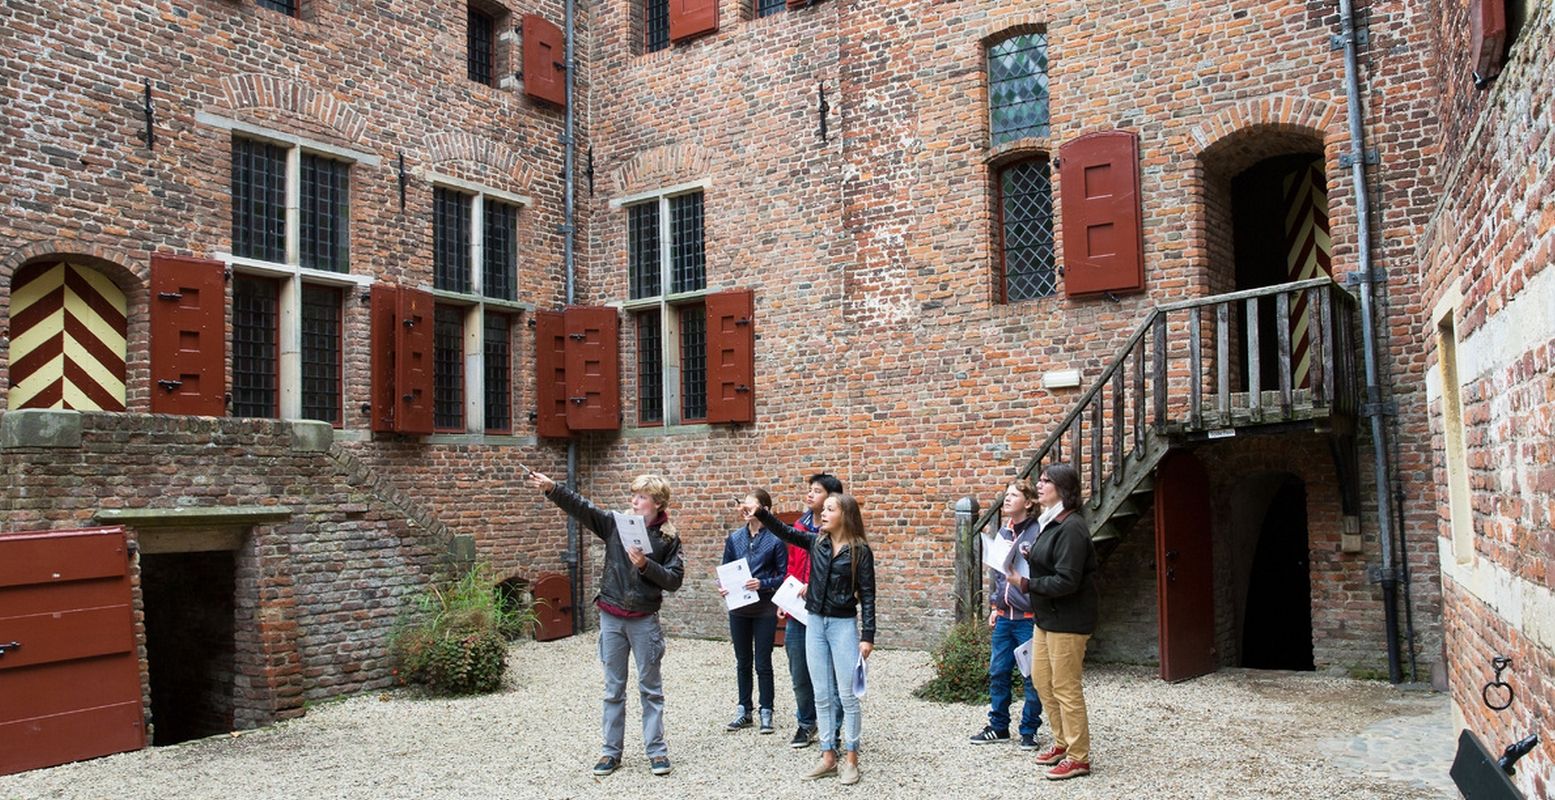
<point>1331,374</point>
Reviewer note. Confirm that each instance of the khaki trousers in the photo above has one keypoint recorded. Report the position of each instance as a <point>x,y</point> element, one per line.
<point>1056,659</point>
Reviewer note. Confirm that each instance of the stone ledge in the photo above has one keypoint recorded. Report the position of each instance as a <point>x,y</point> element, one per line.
<point>40,427</point>
<point>193,515</point>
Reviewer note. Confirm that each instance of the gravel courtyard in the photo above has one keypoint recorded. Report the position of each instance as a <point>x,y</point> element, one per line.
<point>1232,734</point>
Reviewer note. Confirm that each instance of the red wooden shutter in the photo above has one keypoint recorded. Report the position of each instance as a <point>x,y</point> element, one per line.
<point>1487,35</point>
<point>798,3</point>
<point>188,336</point>
<point>385,340</point>
<point>690,18</point>
<point>1103,237</point>
<point>551,374</point>
<point>413,362</point>
<point>731,357</point>
<point>593,368</point>
<point>545,46</point>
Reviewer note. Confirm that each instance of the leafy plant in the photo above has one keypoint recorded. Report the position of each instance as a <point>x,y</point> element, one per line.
<point>961,666</point>
<point>453,640</point>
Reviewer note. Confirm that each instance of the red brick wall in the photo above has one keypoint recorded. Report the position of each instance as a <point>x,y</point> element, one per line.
<point>1486,249</point>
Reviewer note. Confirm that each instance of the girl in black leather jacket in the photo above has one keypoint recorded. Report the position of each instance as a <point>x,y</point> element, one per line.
<point>842,589</point>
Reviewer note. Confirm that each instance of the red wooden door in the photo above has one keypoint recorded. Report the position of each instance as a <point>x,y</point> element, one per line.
<point>553,607</point>
<point>69,674</point>
<point>1184,568</point>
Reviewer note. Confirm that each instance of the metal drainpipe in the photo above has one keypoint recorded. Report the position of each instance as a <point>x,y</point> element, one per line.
<point>1373,406</point>
<point>574,556</point>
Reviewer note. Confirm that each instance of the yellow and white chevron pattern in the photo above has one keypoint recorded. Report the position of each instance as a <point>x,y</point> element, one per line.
<point>67,338</point>
<point>1307,249</point>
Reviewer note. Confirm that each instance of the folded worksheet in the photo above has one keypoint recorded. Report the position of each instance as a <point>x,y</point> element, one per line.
<point>633,531</point>
<point>732,577</point>
<point>788,599</point>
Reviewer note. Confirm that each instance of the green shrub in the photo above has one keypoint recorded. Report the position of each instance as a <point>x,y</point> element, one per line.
<point>961,665</point>
<point>453,639</point>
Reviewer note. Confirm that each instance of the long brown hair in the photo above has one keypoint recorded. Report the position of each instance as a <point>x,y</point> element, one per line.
<point>851,533</point>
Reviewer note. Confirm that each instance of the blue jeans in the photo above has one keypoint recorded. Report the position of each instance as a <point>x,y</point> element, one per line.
<point>799,672</point>
<point>831,648</point>
<point>752,637</point>
<point>1009,634</point>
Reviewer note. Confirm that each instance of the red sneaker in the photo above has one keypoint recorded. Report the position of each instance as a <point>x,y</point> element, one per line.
<point>1068,768</point>
<point>1050,756</point>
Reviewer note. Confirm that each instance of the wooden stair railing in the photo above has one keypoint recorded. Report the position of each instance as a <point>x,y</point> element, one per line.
<point>1162,388</point>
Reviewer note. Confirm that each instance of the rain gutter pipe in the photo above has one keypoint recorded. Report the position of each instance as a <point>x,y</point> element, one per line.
<point>1373,406</point>
<point>574,555</point>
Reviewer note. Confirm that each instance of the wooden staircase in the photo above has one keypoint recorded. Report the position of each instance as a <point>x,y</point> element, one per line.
<point>1170,385</point>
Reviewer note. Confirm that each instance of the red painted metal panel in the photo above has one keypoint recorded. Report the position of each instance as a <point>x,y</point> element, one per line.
<point>593,368</point>
<point>551,374</point>
<point>545,76</point>
<point>71,736</point>
<point>553,607</point>
<point>385,341</point>
<point>188,336</point>
<point>43,557</point>
<point>690,18</point>
<point>67,634</point>
<point>1185,568</point>
<point>731,357</point>
<point>413,362</point>
<point>72,687</point>
<point>1103,238</point>
<point>1487,35</point>
<point>93,682</point>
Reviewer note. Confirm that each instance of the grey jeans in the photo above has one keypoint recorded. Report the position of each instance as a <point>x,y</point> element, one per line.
<point>620,637</point>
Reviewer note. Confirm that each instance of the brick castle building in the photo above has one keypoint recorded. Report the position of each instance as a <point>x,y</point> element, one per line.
<point>291,289</point>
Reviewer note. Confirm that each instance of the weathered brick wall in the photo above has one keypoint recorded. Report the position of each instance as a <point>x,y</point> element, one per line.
<point>81,182</point>
<point>870,255</point>
<point>316,593</point>
<point>1486,250</point>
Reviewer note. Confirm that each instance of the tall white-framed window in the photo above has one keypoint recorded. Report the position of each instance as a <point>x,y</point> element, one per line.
<point>475,235</point>
<point>666,303</point>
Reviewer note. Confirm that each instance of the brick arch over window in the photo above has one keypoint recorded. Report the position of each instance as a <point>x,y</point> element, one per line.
<point>1005,26</point>
<point>665,165</point>
<point>105,304</point>
<point>250,91</point>
<point>458,147</point>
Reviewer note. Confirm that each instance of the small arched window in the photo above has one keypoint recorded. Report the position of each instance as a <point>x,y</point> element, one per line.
<point>1017,88</point>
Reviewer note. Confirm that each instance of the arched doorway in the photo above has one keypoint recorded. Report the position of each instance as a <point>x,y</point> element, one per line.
<point>1280,234</point>
<point>68,323</point>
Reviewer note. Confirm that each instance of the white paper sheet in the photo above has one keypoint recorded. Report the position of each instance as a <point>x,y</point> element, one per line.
<point>1023,658</point>
<point>633,531</point>
<point>788,599</point>
<point>996,553</point>
<point>861,676</point>
<point>732,577</point>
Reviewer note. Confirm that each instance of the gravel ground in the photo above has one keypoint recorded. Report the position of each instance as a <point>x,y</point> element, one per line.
<point>1231,734</point>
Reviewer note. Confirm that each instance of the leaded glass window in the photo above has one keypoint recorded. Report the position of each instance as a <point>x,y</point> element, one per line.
<point>287,7</point>
<point>693,363</point>
<point>1026,212</point>
<point>688,260</point>
<point>656,25</point>
<point>326,205</point>
<point>650,368</point>
<point>500,251</point>
<point>255,352</point>
<point>480,40</point>
<point>321,353</point>
<point>451,240</point>
<point>766,8</point>
<point>497,357</point>
<point>642,242</point>
<point>1017,88</point>
<point>448,369</point>
<point>258,200</point>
